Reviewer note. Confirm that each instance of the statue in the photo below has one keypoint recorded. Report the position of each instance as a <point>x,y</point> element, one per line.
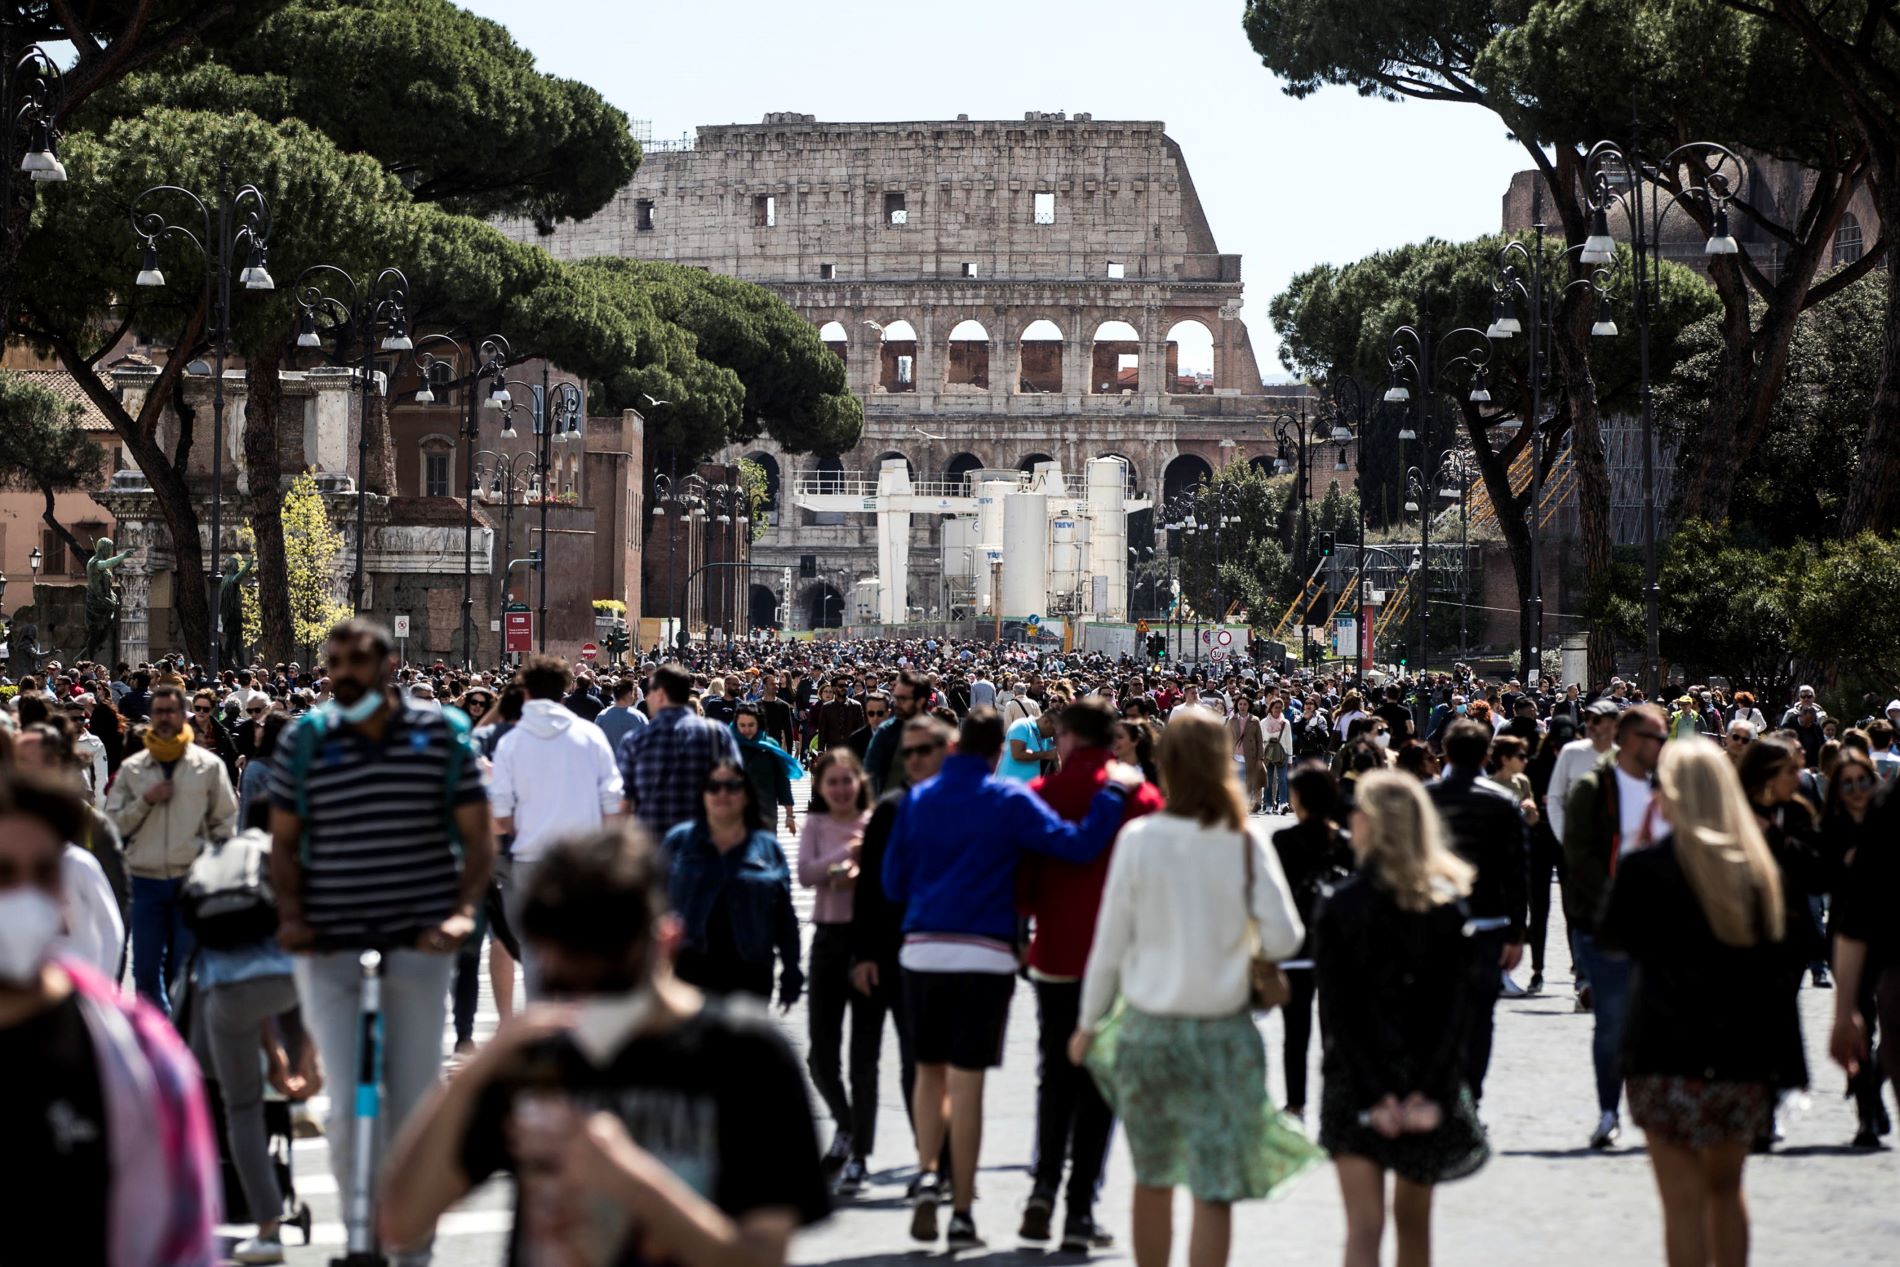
<point>231,608</point>
<point>24,652</point>
<point>102,596</point>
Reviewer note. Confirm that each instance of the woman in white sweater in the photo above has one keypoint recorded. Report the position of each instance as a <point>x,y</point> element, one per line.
<point>1189,1069</point>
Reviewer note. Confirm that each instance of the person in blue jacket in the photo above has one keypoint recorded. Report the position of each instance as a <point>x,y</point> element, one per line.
<point>951,863</point>
<point>731,887</point>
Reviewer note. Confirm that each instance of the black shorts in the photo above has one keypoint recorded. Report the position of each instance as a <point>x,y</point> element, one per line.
<point>958,1018</point>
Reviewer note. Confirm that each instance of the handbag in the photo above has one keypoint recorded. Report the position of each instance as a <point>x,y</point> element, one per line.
<point>1267,986</point>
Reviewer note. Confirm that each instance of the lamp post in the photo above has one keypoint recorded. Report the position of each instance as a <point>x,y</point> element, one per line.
<point>1521,275</point>
<point>1413,353</point>
<point>684,503</point>
<point>1453,479</point>
<point>33,82</point>
<point>217,251</point>
<point>1722,173</point>
<point>503,475</point>
<point>489,361</point>
<point>563,408</point>
<point>1352,419</point>
<point>385,301</point>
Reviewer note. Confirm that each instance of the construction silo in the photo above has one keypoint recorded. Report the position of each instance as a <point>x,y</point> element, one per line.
<point>1025,554</point>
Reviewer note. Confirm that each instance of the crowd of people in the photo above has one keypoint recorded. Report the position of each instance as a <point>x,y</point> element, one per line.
<point>967,816</point>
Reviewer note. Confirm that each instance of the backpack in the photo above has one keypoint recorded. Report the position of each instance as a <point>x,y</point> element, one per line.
<point>227,896</point>
<point>307,733</point>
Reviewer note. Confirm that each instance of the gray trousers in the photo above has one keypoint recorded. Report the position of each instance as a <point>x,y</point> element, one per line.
<point>415,1011</point>
<point>233,1015</point>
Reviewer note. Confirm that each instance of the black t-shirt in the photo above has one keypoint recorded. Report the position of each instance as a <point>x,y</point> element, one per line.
<point>720,1100</point>
<point>1399,718</point>
<point>1867,902</point>
<point>54,1158</point>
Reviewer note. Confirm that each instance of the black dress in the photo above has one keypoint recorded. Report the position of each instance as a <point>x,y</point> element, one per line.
<point>1395,995</point>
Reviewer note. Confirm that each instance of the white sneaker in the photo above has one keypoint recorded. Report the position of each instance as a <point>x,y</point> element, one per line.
<point>1606,1132</point>
<point>1511,989</point>
<point>259,1250</point>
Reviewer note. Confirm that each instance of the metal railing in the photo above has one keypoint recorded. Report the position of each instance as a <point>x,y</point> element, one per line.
<point>859,484</point>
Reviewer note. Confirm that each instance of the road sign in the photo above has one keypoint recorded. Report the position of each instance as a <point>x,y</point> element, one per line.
<point>1141,627</point>
<point>402,626</point>
<point>517,631</point>
<point>589,651</point>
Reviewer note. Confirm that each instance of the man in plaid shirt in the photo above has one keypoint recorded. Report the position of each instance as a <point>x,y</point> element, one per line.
<point>664,764</point>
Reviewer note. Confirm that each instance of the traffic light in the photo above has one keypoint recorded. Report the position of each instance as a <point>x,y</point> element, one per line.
<point>1157,644</point>
<point>616,641</point>
<point>1325,545</point>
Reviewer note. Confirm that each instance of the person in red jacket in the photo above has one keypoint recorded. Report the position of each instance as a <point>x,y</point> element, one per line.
<point>1072,1120</point>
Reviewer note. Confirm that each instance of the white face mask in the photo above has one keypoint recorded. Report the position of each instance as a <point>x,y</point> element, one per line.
<point>606,1021</point>
<point>29,921</point>
<point>1383,739</point>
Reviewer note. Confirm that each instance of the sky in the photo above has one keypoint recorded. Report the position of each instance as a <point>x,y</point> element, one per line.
<point>1286,184</point>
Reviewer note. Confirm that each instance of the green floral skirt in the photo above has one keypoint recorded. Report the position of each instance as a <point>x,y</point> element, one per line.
<point>1192,1096</point>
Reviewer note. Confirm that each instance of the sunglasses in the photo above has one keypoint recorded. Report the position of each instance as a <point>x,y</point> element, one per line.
<point>716,786</point>
<point>201,708</point>
<point>255,712</point>
<point>1856,785</point>
<point>875,714</point>
<point>918,750</point>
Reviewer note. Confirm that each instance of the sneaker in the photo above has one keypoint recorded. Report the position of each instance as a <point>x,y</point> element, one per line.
<point>852,1180</point>
<point>1036,1216</point>
<point>1511,989</point>
<point>962,1233</point>
<point>1080,1234</point>
<point>259,1249</point>
<point>1537,983</point>
<point>1583,999</point>
<point>839,1153</point>
<point>1606,1132</point>
<point>925,1194</point>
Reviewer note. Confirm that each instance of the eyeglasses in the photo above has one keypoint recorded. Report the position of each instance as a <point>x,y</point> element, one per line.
<point>255,712</point>
<point>918,750</point>
<point>875,714</point>
<point>1658,735</point>
<point>1740,738</point>
<point>1860,784</point>
<point>716,786</point>
<point>201,708</point>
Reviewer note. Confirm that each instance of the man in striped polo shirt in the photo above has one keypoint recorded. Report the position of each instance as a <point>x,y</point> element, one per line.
<point>380,840</point>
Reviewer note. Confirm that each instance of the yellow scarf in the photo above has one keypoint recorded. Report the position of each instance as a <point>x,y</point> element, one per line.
<point>166,751</point>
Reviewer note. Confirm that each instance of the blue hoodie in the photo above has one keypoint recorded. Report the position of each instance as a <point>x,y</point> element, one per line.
<point>953,851</point>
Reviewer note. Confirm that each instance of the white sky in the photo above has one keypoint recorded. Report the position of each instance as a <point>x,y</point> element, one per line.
<point>1286,184</point>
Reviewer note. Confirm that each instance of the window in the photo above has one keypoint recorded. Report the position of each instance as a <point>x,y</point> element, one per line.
<point>643,214</point>
<point>435,475</point>
<point>1848,243</point>
<point>1045,208</point>
<point>764,212</point>
<point>52,553</point>
<point>904,369</point>
<point>1116,270</point>
<point>827,272</point>
<point>894,212</point>
<point>969,269</point>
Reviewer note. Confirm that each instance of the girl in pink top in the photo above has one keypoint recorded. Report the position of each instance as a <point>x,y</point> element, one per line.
<point>828,862</point>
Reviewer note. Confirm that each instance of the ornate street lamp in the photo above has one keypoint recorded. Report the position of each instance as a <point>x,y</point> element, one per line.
<point>218,252</point>
<point>1643,201</point>
<point>354,321</point>
<point>489,361</point>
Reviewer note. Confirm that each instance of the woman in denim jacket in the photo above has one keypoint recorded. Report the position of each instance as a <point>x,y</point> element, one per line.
<point>732,890</point>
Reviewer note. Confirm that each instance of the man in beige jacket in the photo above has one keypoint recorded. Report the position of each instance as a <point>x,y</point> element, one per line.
<point>168,802</point>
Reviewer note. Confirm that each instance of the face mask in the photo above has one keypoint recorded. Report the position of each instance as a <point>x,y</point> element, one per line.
<point>1383,739</point>
<point>361,711</point>
<point>29,921</point>
<point>606,1021</point>
<point>1460,708</point>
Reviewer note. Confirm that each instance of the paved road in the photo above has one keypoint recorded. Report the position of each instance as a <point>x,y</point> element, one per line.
<point>1544,1198</point>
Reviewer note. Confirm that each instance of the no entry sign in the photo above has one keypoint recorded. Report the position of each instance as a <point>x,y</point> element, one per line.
<point>589,651</point>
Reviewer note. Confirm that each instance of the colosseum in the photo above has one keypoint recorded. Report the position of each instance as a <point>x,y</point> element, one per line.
<point>1002,293</point>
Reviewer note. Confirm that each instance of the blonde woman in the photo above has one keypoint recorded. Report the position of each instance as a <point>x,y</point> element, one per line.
<point>1397,973</point>
<point>1712,1033</point>
<point>1189,1073</point>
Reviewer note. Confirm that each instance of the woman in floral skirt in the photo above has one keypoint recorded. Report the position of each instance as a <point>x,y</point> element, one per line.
<point>1182,1063</point>
<point>1713,1034</point>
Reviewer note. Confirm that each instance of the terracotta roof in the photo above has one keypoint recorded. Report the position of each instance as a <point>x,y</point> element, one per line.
<point>65,386</point>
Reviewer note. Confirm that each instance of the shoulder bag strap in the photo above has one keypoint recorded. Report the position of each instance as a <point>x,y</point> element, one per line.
<point>1253,922</point>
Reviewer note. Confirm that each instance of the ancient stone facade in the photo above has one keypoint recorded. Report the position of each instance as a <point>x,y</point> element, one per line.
<point>1001,292</point>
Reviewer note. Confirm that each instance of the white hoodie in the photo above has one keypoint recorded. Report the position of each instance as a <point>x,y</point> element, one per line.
<point>554,775</point>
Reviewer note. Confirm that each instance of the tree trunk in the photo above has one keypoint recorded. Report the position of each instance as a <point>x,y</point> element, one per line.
<point>1494,468</point>
<point>190,602</point>
<point>276,639</point>
<point>1873,501</point>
